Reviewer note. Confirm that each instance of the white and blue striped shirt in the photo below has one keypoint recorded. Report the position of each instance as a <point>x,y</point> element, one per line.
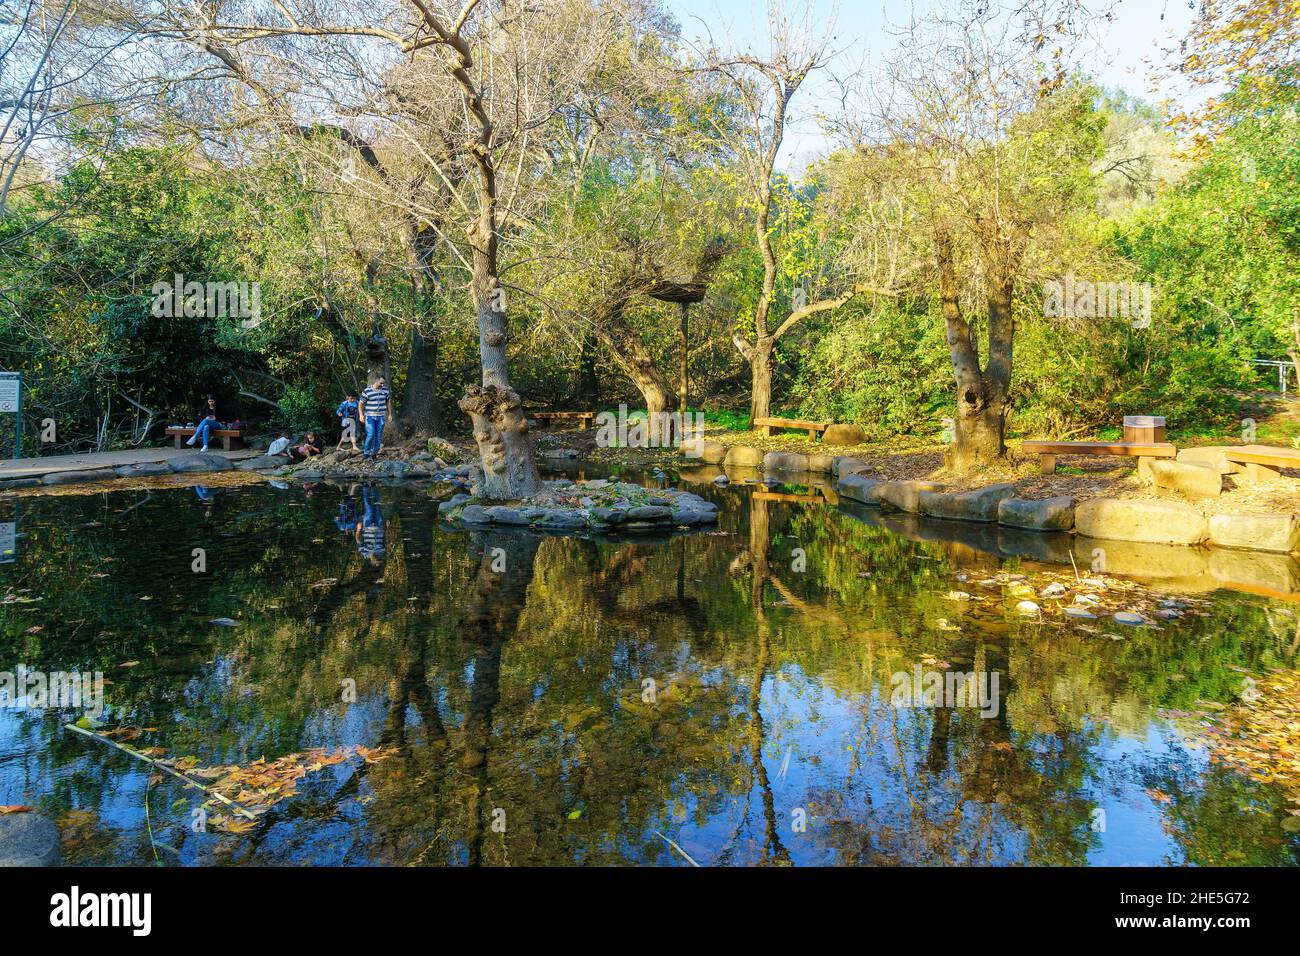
<point>374,402</point>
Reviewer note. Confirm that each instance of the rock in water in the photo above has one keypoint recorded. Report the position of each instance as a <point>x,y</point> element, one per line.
<point>1129,617</point>
<point>224,621</point>
<point>28,839</point>
<point>1027,607</point>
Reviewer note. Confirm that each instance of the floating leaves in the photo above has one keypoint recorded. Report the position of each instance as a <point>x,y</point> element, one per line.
<point>6,809</point>
<point>1260,737</point>
<point>263,784</point>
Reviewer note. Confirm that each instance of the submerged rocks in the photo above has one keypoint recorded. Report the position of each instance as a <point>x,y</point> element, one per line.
<point>28,839</point>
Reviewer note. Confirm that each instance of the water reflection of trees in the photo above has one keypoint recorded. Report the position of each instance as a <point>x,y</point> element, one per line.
<point>520,689</point>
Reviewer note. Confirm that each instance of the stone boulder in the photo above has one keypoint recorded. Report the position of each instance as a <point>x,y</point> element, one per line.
<point>1191,479</point>
<point>785,461</point>
<point>28,839</point>
<point>978,504</point>
<point>859,488</point>
<point>20,483</point>
<point>455,501</point>
<point>76,477</point>
<point>200,462</point>
<point>822,464</point>
<point>1256,532</point>
<point>842,465</point>
<point>1153,522</point>
<point>905,495</point>
<point>1042,514</point>
<point>262,462</point>
<point>707,452</point>
<point>742,456</point>
<point>143,469</point>
<point>1211,455</point>
<point>844,435</point>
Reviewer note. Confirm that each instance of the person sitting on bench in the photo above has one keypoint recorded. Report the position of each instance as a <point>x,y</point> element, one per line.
<point>207,423</point>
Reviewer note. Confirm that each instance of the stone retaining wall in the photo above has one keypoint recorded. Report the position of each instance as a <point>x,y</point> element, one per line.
<point>1135,520</point>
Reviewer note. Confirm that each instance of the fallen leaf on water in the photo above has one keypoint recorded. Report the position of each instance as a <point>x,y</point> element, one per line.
<point>16,808</point>
<point>129,664</point>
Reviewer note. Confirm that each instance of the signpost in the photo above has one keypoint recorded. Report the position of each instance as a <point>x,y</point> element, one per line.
<point>11,402</point>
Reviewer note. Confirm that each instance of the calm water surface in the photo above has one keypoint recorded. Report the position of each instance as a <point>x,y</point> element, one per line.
<point>509,674</point>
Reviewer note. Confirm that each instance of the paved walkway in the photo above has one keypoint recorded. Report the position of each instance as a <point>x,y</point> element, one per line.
<point>35,467</point>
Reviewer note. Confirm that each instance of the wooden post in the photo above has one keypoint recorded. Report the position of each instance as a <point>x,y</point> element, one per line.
<point>1047,464</point>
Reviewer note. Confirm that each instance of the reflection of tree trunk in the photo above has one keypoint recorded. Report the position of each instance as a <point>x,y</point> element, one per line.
<point>936,756</point>
<point>496,599</point>
<point>759,543</point>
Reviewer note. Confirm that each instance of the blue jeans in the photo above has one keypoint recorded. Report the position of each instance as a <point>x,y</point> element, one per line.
<point>374,436</point>
<point>201,433</point>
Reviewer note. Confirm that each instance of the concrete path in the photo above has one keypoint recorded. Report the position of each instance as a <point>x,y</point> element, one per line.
<point>36,467</point>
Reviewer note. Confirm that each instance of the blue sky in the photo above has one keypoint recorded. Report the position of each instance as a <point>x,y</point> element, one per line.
<point>1128,47</point>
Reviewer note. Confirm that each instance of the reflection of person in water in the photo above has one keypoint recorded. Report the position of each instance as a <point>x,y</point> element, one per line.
<point>347,518</point>
<point>370,529</point>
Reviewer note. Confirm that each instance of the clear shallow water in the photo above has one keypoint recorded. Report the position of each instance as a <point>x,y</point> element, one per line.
<point>514,694</point>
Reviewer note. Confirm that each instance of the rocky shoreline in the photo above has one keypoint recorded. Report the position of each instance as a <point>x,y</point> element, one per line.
<point>595,505</point>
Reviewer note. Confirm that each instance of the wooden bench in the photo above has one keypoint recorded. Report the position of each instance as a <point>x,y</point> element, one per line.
<point>1263,462</point>
<point>765,426</point>
<point>585,418</point>
<point>1143,451</point>
<point>231,439</point>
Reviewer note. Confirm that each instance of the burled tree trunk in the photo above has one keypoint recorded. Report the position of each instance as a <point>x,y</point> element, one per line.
<point>979,427</point>
<point>495,409</point>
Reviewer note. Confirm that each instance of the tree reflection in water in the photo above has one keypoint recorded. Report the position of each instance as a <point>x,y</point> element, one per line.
<point>505,671</point>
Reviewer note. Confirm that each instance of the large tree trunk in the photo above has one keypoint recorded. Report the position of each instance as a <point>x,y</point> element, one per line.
<point>421,410</point>
<point>500,428</point>
<point>760,363</point>
<point>979,425</point>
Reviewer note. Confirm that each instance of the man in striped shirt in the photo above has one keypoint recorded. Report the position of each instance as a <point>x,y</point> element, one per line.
<point>374,409</point>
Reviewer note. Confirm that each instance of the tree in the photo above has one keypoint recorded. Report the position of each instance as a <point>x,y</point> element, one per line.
<point>999,150</point>
<point>764,86</point>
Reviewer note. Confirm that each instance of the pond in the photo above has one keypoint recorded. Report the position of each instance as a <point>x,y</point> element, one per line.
<point>728,696</point>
